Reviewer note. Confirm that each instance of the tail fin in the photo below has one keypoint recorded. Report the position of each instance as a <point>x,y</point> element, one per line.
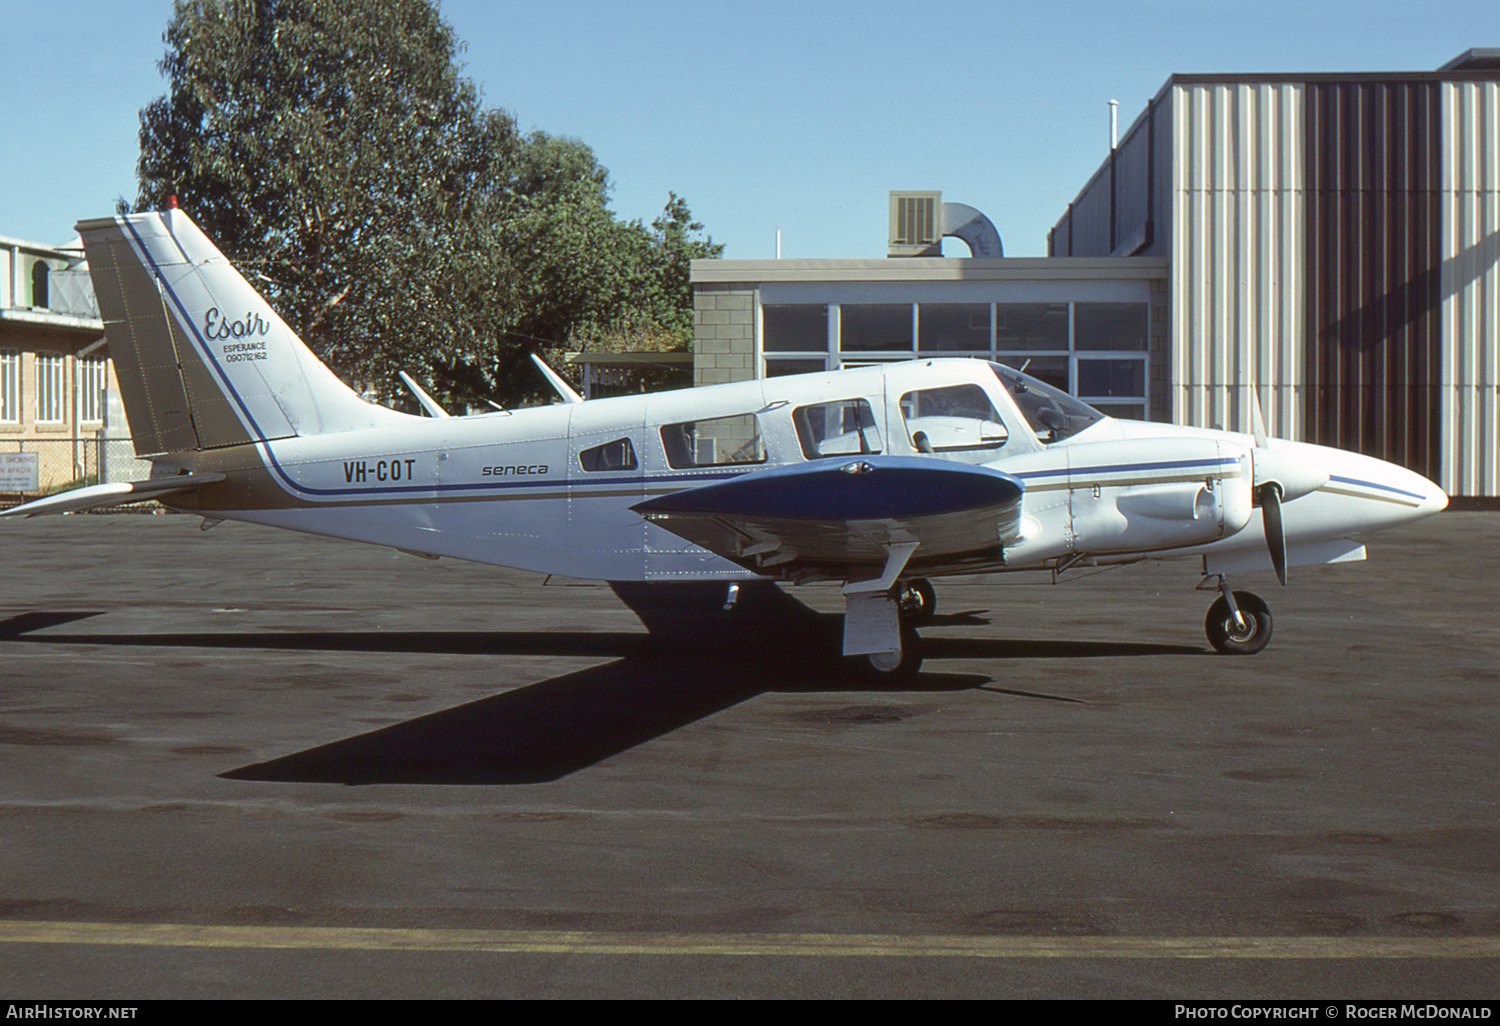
<point>202,360</point>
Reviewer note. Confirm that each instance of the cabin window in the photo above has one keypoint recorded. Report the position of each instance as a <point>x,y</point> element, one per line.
<point>841,428</point>
<point>616,455</point>
<point>713,442</point>
<point>957,418</point>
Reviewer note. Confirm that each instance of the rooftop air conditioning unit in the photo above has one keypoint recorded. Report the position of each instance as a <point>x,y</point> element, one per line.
<point>916,224</point>
<point>920,220</point>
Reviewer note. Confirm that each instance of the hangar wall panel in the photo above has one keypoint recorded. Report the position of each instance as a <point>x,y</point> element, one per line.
<point>1118,212</point>
<point>1373,358</point>
<point>1089,234</point>
<point>1132,190</point>
<point>1238,259</point>
<point>1470,287</point>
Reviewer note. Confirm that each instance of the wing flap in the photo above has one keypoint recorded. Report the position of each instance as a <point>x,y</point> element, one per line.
<point>841,517</point>
<point>116,493</point>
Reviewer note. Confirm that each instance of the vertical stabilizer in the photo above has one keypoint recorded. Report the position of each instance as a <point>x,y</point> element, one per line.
<point>203,361</point>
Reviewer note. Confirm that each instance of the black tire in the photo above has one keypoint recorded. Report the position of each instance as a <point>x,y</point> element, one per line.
<point>916,602</point>
<point>1229,638</point>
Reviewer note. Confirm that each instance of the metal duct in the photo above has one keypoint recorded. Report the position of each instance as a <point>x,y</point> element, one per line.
<point>964,222</point>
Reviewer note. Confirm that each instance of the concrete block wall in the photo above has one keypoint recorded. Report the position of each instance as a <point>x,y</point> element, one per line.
<point>723,333</point>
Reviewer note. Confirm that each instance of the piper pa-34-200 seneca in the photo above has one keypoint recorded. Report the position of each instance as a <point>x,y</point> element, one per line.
<point>877,477</point>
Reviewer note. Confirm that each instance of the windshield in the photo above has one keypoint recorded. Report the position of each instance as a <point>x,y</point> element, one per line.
<point>1052,413</point>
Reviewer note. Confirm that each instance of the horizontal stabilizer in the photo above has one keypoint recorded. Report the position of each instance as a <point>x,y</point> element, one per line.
<point>115,493</point>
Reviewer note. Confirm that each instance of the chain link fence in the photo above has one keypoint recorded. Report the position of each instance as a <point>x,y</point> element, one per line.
<point>33,467</point>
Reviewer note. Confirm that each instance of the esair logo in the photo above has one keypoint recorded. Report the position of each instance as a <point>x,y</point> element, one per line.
<point>219,328</point>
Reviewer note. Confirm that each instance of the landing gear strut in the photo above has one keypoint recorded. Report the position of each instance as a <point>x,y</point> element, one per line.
<point>1239,622</point>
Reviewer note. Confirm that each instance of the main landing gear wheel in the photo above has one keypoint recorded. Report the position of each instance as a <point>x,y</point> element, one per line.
<point>891,667</point>
<point>915,601</point>
<point>1239,638</point>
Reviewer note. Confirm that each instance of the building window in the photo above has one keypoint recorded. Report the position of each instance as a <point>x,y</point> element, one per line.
<point>10,386</point>
<point>794,327</point>
<point>1110,326</point>
<point>875,327</point>
<point>1095,351</point>
<point>1111,379</point>
<point>39,272</point>
<point>91,382</point>
<point>1030,327</point>
<point>50,372</point>
<point>776,368</point>
<point>953,327</point>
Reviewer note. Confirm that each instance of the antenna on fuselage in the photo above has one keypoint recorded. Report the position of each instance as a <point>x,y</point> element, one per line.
<point>562,388</point>
<point>428,402</point>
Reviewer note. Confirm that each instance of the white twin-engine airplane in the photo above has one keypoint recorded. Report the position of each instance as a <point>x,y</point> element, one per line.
<point>878,477</point>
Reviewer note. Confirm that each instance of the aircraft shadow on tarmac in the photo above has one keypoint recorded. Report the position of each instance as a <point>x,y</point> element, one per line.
<point>686,668</point>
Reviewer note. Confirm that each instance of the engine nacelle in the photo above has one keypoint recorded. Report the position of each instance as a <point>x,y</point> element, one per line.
<point>1148,494</point>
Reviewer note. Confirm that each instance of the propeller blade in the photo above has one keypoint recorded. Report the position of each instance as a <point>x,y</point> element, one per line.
<point>1270,510</point>
<point>1268,494</point>
<point>1257,421</point>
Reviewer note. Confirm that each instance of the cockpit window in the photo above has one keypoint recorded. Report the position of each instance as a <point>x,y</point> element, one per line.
<point>841,428</point>
<point>956,418</point>
<point>1052,413</point>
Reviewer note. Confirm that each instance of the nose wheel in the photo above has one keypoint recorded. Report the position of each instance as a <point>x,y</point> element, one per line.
<point>1238,623</point>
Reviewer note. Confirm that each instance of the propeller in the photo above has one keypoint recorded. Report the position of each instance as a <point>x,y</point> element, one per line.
<point>1268,495</point>
<point>1277,476</point>
<point>1270,511</point>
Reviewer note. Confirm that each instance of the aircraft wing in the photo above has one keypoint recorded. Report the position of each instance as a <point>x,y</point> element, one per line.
<point>112,494</point>
<point>842,519</point>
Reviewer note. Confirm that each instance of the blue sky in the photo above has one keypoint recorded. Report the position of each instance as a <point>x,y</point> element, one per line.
<point>797,115</point>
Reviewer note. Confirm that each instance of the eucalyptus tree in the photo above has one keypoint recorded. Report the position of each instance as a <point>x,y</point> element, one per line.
<point>337,156</point>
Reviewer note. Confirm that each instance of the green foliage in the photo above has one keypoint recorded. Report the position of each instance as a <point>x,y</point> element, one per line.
<point>333,152</point>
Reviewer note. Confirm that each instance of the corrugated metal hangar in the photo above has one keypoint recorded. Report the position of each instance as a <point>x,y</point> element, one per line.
<point>1334,238</point>
<point>1331,240</point>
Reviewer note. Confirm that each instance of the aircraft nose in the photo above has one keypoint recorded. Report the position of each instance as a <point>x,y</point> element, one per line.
<point>1436,500</point>
<point>1401,495</point>
<point>1430,498</point>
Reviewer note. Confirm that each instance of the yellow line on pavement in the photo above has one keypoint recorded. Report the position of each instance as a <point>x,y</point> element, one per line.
<point>813,945</point>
